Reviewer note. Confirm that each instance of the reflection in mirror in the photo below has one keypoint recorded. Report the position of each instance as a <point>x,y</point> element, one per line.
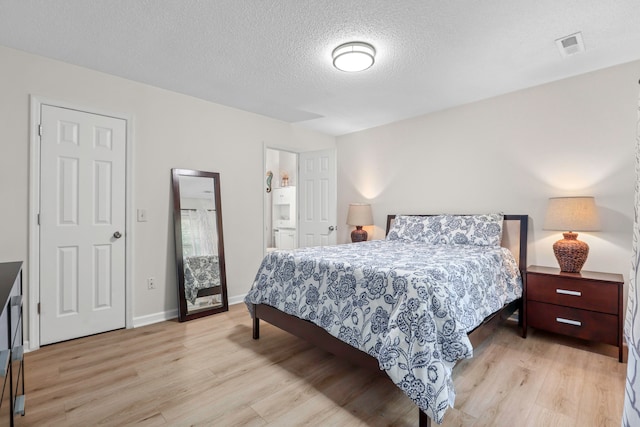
<point>200,267</point>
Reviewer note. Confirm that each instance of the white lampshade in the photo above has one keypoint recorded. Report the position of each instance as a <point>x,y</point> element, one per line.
<point>572,214</point>
<point>353,56</point>
<point>359,214</point>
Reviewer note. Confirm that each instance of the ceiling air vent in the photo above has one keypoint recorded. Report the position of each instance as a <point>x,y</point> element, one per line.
<point>570,45</point>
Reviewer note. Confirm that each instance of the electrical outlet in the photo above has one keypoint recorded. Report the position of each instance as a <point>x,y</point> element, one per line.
<point>151,283</point>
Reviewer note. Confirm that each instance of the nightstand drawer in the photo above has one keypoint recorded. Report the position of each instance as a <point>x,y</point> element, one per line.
<point>583,324</point>
<point>583,294</point>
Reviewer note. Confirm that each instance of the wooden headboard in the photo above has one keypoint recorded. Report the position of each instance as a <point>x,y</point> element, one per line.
<point>514,236</point>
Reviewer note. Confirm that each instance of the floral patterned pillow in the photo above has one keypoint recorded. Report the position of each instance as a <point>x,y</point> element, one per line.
<point>415,228</point>
<point>480,230</point>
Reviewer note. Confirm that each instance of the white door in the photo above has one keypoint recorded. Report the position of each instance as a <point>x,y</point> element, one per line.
<point>82,221</point>
<point>317,204</point>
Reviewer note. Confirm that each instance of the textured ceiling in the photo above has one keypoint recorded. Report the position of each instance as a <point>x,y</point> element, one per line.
<point>274,57</point>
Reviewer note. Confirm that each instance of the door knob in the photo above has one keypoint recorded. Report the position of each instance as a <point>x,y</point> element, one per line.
<point>117,235</point>
<point>331,228</point>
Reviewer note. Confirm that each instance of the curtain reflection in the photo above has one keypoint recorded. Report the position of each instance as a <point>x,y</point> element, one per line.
<point>198,235</point>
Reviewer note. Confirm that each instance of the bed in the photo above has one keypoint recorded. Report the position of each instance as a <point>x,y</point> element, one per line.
<point>411,305</point>
<point>201,276</point>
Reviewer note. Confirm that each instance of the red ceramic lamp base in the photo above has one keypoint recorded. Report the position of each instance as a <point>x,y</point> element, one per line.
<point>359,235</point>
<point>571,253</point>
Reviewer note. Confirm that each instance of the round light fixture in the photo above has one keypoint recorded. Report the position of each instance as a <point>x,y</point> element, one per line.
<point>353,56</point>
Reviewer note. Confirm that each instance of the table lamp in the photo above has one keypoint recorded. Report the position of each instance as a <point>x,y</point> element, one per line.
<point>359,215</point>
<point>573,214</point>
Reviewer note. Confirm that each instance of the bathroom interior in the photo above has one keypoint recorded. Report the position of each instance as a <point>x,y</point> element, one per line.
<point>281,228</point>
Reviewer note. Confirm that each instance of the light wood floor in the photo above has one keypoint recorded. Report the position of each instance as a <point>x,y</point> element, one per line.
<point>210,372</point>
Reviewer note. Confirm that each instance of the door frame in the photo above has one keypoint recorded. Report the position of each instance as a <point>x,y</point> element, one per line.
<point>33,288</point>
<point>265,147</point>
<point>268,146</point>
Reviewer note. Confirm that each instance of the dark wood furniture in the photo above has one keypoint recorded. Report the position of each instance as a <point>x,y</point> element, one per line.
<point>514,238</point>
<point>11,350</point>
<point>585,305</point>
<point>191,189</point>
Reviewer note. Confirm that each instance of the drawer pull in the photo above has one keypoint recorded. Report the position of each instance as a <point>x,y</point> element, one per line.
<point>568,321</point>
<point>566,292</point>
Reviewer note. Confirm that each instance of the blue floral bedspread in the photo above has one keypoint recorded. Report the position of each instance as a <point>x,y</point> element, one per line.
<point>200,272</point>
<point>410,305</point>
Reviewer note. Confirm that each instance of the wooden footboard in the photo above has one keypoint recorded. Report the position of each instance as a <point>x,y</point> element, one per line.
<point>514,238</point>
<point>313,334</point>
<point>320,338</point>
<point>491,323</point>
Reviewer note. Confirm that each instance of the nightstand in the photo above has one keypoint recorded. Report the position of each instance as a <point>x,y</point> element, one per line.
<point>585,305</point>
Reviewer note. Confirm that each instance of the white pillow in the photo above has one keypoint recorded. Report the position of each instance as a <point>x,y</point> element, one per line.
<point>480,230</point>
<point>416,228</point>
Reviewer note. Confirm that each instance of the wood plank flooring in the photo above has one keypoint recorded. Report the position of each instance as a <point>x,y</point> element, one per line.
<point>211,372</point>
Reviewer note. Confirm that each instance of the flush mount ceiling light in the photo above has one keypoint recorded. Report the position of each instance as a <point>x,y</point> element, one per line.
<point>353,56</point>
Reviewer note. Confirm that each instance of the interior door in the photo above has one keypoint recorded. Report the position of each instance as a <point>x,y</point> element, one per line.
<point>317,198</point>
<point>82,224</point>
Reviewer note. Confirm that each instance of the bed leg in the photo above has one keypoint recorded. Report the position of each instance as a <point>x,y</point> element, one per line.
<point>424,421</point>
<point>256,328</point>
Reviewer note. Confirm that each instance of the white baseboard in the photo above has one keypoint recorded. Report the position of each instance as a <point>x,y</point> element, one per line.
<point>172,314</point>
<point>155,318</point>
<point>237,299</point>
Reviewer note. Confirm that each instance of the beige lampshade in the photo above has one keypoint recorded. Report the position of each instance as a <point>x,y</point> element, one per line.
<point>359,214</point>
<point>572,214</point>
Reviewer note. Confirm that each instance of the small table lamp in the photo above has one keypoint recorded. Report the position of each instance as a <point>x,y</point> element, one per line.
<point>359,215</point>
<point>571,213</point>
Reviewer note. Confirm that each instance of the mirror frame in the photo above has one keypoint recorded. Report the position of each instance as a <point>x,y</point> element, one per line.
<point>183,314</point>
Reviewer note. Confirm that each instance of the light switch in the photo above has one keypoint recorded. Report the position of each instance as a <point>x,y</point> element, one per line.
<point>142,215</point>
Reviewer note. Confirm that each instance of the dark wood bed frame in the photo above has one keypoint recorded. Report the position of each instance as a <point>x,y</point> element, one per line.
<point>322,339</point>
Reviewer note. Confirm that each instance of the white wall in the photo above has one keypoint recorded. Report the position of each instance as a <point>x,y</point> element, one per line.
<point>170,131</point>
<point>508,154</point>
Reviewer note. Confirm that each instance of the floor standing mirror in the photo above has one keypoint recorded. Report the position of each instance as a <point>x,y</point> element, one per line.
<point>197,217</point>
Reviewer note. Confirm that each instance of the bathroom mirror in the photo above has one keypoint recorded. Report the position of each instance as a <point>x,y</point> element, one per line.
<point>197,218</point>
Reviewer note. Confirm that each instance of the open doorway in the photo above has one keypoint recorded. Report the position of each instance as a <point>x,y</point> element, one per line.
<point>281,200</point>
